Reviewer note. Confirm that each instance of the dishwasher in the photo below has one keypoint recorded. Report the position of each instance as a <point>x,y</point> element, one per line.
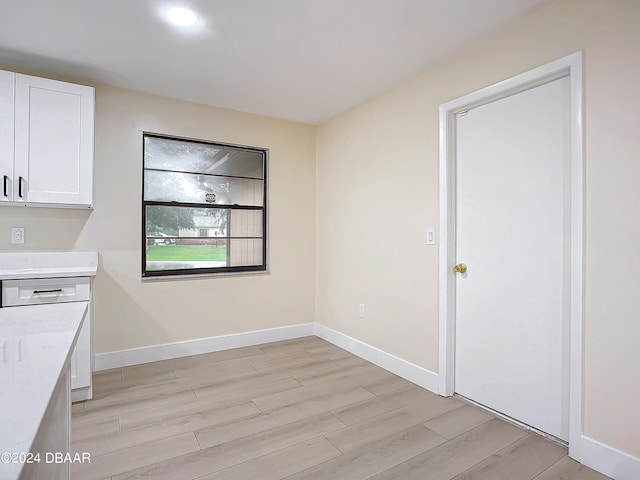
<point>39,291</point>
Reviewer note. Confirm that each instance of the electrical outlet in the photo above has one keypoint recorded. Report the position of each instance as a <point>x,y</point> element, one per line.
<point>361,310</point>
<point>17,235</point>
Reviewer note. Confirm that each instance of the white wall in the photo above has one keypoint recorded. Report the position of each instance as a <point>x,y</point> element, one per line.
<point>377,165</point>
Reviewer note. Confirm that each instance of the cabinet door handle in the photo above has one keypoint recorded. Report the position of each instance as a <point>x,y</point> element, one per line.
<point>5,186</point>
<point>56,290</point>
<point>20,187</point>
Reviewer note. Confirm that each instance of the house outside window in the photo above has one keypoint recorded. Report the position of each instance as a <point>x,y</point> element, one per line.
<point>203,207</point>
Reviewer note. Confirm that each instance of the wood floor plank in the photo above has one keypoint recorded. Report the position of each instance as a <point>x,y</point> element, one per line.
<point>394,384</point>
<point>220,370</point>
<point>108,387</point>
<point>166,427</point>
<point>91,412</point>
<point>106,375</point>
<point>121,391</point>
<point>220,395</point>
<point>215,357</point>
<point>258,423</point>
<point>301,394</point>
<point>240,355</point>
<point>457,455</point>
<point>273,352</point>
<point>380,405</point>
<point>280,464</point>
<point>146,370</point>
<point>158,415</point>
<point>245,388</point>
<point>304,358</point>
<point>84,431</point>
<point>521,460</point>
<point>352,361</point>
<point>324,347</point>
<point>210,460</point>
<point>362,374</point>
<point>164,369</point>
<point>197,376</point>
<point>374,458</point>
<point>569,469</point>
<point>348,379</point>
<point>295,371</point>
<point>371,430</point>
<point>295,342</point>
<point>136,457</point>
<point>458,421</point>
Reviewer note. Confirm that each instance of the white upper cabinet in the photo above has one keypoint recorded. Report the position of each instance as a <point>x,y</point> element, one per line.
<point>46,141</point>
<point>7,96</point>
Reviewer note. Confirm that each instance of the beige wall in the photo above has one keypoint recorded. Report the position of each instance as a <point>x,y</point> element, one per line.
<point>377,193</point>
<point>130,313</point>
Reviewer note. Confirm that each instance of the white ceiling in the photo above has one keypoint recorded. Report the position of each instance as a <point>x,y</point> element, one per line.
<point>302,60</point>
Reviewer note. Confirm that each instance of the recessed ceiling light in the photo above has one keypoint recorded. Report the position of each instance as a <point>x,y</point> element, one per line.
<point>182,17</point>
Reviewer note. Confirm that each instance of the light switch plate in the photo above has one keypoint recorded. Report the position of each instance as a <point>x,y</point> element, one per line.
<point>431,236</point>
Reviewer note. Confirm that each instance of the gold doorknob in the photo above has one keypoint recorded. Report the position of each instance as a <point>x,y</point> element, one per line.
<point>460,268</point>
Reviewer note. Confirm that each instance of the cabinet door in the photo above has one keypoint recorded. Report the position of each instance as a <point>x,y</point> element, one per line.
<point>81,357</point>
<point>54,142</point>
<point>7,89</point>
<point>54,436</point>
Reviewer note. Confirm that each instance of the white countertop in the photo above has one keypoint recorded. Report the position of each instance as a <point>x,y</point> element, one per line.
<point>36,342</point>
<point>14,266</point>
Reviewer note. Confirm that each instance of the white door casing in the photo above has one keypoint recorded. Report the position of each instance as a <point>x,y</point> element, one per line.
<point>571,67</point>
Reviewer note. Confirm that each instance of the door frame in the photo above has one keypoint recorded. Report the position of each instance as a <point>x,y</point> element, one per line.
<point>570,66</point>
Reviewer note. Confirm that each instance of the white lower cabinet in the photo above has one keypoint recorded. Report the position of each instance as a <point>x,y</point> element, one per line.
<point>53,437</point>
<point>40,291</point>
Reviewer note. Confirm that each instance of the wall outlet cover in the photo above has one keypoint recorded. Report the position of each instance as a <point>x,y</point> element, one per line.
<point>17,235</point>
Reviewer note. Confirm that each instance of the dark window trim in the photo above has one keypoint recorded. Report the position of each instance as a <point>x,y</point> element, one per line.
<point>199,272</point>
<point>189,172</point>
<point>218,206</point>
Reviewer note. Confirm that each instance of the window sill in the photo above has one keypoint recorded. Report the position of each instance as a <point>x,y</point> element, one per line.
<point>197,276</point>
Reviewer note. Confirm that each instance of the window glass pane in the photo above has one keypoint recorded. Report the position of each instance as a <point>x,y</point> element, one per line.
<point>159,238</point>
<point>186,156</point>
<point>223,228</point>
<point>195,188</point>
<point>178,223</point>
<point>245,223</point>
<point>243,252</point>
<point>188,254</point>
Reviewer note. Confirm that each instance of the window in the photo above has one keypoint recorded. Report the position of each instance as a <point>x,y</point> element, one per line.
<point>203,207</point>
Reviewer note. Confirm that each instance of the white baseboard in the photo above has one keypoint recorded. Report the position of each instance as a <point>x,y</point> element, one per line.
<point>409,371</point>
<point>80,394</point>
<point>135,356</point>
<point>154,353</point>
<point>605,459</point>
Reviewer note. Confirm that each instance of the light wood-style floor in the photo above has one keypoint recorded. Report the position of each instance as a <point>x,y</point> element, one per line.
<point>298,409</point>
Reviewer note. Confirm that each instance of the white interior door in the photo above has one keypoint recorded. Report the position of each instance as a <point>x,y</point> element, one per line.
<point>513,233</point>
